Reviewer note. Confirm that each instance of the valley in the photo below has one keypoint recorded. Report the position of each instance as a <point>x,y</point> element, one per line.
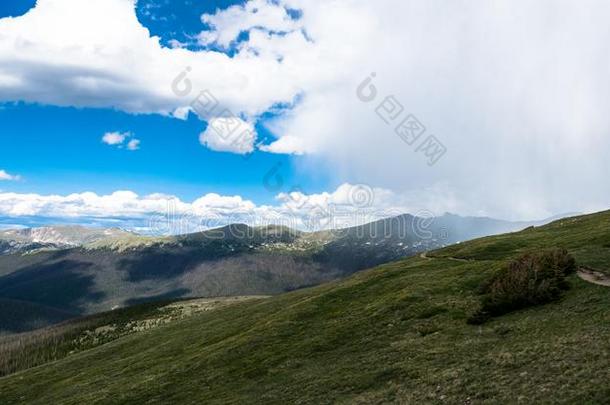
<point>109,269</point>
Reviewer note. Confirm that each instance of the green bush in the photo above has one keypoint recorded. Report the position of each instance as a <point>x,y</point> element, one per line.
<point>532,279</point>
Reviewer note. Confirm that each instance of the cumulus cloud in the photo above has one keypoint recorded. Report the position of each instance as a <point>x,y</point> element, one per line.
<point>262,15</point>
<point>516,94</point>
<point>114,138</point>
<point>5,176</point>
<point>348,205</point>
<point>229,134</point>
<point>133,144</point>
<point>289,145</point>
<point>118,139</point>
<point>64,52</point>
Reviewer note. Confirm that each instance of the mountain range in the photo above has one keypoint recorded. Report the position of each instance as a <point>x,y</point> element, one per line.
<point>55,273</point>
<point>54,237</point>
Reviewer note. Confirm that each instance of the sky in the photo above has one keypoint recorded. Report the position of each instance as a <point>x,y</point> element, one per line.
<point>117,112</point>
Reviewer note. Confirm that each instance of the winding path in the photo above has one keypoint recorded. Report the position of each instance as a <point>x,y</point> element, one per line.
<point>585,273</point>
<point>592,276</point>
<point>424,255</point>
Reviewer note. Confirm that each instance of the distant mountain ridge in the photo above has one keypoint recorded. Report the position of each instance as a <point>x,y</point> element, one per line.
<point>54,237</point>
<point>450,227</point>
<point>83,271</point>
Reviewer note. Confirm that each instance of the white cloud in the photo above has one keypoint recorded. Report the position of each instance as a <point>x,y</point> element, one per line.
<point>286,145</point>
<point>229,23</point>
<point>64,52</point>
<point>133,144</point>
<point>118,139</point>
<point>348,205</point>
<point>4,176</point>
<point>182,113</point>
<point>518,95</point>
<point>229,135</point>
<point>174,43</point>
<point>115,138</point>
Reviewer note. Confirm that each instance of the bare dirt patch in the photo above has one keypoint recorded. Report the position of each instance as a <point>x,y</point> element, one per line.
<point>593,276</point>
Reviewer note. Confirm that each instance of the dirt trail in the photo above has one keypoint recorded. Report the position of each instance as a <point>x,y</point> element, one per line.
<point>593,276</point>
<point>424,255</point>
<point>585,273</point>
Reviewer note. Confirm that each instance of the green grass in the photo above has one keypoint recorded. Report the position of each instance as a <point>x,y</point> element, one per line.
<point>396,333</point>
<point>587,237</point>
<point>22,351</point>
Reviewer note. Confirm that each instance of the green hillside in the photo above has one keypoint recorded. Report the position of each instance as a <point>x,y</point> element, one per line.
<point>126,269</point>
<point>22,316</point>
<point>396,333</point>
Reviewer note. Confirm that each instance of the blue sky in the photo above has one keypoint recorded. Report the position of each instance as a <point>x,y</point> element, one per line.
<point>98,96</point>
<point>177,19</point>
<point>58,150</point>
<point>14,8</point>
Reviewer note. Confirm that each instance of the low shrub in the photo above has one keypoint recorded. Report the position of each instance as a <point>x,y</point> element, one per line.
<point>532,279</point>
